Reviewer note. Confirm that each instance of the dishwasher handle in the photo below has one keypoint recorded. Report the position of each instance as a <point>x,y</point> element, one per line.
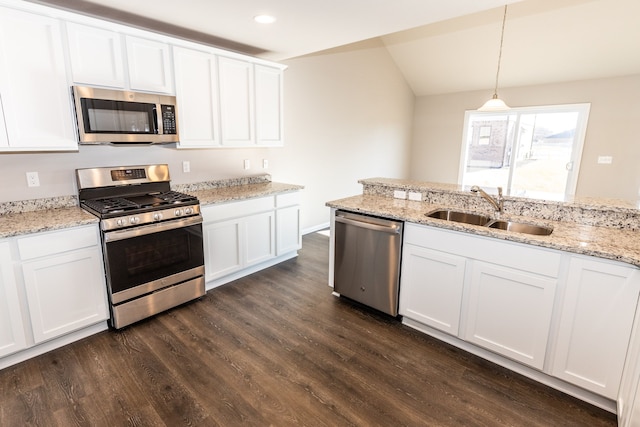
<point>392,228</point>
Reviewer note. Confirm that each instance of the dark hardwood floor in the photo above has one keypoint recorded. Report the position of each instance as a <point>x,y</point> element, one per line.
<point>276,349</point>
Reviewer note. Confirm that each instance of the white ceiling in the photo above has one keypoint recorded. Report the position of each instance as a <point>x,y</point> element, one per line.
<point>440,46</point>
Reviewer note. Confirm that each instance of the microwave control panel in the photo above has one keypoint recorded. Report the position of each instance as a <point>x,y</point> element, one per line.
<point>168,119</point>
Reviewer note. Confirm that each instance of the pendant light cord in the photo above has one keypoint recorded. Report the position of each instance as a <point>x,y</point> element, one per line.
<point>504,19</point>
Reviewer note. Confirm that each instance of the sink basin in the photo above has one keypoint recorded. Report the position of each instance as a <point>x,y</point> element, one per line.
<point>457,216</point>
<point>520,227</point>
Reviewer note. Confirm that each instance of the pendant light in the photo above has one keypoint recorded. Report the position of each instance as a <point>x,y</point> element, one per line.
<point>495,103</point>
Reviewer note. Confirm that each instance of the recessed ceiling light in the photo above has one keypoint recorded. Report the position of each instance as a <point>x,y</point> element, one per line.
<point>264,19</point>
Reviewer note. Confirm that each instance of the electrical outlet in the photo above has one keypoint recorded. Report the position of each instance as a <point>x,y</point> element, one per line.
<point>33,180</point>
<point>400,194</point>
<point>605,160</point>
<point>186,166</point>
<point>247,164</point>
<point>265,164</point>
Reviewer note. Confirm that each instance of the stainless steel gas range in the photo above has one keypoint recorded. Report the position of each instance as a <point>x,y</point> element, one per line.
<point>151,239</point>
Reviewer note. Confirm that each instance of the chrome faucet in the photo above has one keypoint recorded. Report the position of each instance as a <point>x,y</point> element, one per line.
<point>498,202</point>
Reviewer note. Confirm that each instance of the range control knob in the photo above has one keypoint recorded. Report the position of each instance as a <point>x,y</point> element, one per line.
<point>121,222</point>
<point>178,212</point>
<point>134,220</point>
<point>157,216</point>
<point>188,211</point>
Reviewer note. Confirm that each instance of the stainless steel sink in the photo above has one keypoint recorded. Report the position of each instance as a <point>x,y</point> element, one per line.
<point>457,216</point>
<point>484,220</point>
<point>520,227</point>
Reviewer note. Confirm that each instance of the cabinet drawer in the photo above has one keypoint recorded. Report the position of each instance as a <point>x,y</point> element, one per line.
<point>43,244</point>
<point>288,199</point>
<point>237,209</point>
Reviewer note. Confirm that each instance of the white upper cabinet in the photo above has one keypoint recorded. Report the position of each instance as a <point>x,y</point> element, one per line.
<point>106,57</point>
<point>197,97</point>
<point>96,56</point>
<point>236,101</point>
<point>35,95</point>
<point>268,89</point>
<point>149,64</point>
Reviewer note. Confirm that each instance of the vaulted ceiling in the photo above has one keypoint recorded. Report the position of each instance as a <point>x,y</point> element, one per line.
<point>439,46</point>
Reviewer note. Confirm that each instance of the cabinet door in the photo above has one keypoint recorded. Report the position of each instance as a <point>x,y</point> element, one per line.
<point>197,96</point>
<point>222,254</point>
<point>236,101</point>
<point>33,83</point>
<point>510,312</point>
<point>149,65</point>
<point>268,81</point>
<point>289,237</point>
<point>431,285</point>
<point>65,292</point>
<point>96,56</point>
<point>12,333</point>
<point>595,325</point>
<point>258,238</point>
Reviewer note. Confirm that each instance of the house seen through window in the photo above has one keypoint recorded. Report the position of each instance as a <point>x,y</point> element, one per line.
<point>530,152</point>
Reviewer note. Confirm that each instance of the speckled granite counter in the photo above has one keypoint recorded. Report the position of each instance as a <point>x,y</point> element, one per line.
<point>620,243</point>
<point>32,216</point>
<point>242,192</point>
<point>15,224</point>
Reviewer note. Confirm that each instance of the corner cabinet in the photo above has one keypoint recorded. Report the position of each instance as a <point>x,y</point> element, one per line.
<point>595,324</point>
<point>242,237</point>
<point>33,83</point>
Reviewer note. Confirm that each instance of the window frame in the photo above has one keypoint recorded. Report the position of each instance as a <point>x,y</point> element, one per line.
<point>583,110</point>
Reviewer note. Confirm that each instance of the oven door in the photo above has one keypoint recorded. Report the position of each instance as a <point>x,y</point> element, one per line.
<point>151,257</point>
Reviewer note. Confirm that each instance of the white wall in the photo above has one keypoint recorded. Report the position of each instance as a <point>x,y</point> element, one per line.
<point>347,116</point>
<point>611,131</point>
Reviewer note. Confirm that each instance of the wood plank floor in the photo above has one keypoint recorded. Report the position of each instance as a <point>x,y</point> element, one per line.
<point>276,349</point>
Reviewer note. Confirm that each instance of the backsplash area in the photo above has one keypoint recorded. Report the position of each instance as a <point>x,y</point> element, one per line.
<point>616,214</point>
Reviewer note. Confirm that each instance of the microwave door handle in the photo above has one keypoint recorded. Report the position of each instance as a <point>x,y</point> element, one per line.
<point>157,126</point>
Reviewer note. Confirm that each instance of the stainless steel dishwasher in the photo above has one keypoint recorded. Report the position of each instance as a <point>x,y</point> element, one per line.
<point>367,260</point>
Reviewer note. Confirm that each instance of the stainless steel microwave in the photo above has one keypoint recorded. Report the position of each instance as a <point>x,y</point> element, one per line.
<point>106,116</point>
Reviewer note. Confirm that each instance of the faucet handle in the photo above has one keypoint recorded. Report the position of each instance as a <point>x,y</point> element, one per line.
<point>500,192</point>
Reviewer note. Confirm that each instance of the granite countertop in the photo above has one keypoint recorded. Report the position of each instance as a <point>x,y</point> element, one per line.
<point>241,192</point>
<point>33,216</point>
<point>614,244</point>
<point>15,224</point>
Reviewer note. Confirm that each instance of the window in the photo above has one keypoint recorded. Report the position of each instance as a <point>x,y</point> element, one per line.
<point>529,152</point>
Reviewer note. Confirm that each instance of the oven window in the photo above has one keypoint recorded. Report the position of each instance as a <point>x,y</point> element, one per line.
<point>142,259</point>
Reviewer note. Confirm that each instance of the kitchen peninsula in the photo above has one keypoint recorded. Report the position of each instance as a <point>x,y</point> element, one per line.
<point>558,308</point>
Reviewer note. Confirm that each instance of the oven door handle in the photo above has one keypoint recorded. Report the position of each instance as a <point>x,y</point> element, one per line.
<point>112,236</point>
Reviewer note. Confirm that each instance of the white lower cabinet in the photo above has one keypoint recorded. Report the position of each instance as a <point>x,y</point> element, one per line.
<point>12,336</point>
<point>288,235</point>
<point>509,312</point>
<point>65,292</point>
<point>595,324</point>
<point>241,237</point>
<point>564,318</point>
<point>238,235</point>
<point>431,284</point>
<point>51,284</point>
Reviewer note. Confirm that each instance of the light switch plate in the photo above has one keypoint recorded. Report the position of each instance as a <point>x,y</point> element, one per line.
<point>605,160</point>
<point>413,195</point>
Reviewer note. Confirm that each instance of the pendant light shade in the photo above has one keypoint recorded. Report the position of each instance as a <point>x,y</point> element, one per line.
<point>495,103</point>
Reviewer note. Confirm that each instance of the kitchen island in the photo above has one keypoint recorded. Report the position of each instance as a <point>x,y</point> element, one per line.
<point>557,308</point>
